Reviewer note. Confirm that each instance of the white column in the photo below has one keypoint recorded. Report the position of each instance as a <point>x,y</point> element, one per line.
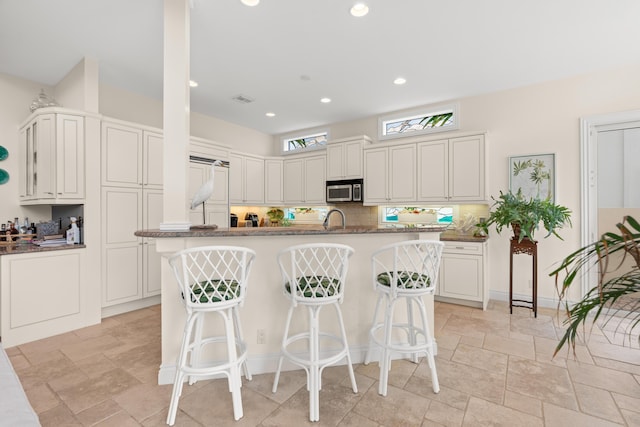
<point>176,110</point>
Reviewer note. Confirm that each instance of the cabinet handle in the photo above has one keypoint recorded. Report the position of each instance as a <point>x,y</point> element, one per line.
<point>459,247</point>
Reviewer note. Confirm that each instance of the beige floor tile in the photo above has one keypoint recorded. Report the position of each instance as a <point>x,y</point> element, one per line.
<point>468,379</point>
<point>398,407</point>
<point>42,398</point>
<point>33,349</point>
<point>480,358</point>
<point>450,341</point>
<point>546,347</point>
<point>615,352</point>
<point>121,419</point>
<point>144,400</point>
<point>18,361</point>
<point>555,416</point>
<point>482,413</point>
<point>596,376</point>
<point>597,402</point>
<point>99,412</point>
<point>356,420</point>
<point>160,420</point>
<point>58,416</point>
<point>541,381</point>
<point>523,403</point>
<point>472,341</point>
<point>501,344</point>
<point>632,418</point>
<point>423,387</point>
<point>444,414</point>
<point>627,402</point>
<point>89,347</point>
<point>288,384</point>
<point>95,365</point>
<point>474,327</point>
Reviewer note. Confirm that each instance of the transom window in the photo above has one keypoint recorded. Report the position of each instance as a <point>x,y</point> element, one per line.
<point>421,122</point>
<point>305,142</point>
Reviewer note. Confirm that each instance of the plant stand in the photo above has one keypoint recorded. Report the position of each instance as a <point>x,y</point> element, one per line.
<point>527,247</point>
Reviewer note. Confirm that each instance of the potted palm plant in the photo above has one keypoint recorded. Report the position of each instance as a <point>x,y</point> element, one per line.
<point>617,293</point>
<point>524,216</point>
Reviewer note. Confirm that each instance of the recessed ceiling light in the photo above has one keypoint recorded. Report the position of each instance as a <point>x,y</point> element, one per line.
<point>193,83</point>
<point>359,9</point>
<point>250,2</point>
<point>325,100</point>
<point>270,114</point>
<point>400,81</point>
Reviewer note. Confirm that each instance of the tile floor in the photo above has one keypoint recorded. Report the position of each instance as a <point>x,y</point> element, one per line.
<point>494,369</point>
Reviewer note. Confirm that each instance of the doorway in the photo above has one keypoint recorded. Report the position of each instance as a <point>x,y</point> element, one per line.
<point>609,187</point>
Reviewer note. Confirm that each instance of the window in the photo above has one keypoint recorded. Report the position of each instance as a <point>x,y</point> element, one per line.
<point>421,122</point>
<point>417,215</point>
<point>304,143</point>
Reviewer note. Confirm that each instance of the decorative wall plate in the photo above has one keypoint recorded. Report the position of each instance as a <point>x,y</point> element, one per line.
<point>4,176</point>
<point>4,153</point>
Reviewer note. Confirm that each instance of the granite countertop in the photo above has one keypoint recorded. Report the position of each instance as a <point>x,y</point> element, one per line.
<point>29,248</point>
<point>452,235</point>
<point>285,231</point>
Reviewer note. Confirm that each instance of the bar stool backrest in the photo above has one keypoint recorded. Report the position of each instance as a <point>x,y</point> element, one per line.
<point>409,267</point>
<point>314,273</point>
<point>212,277</point>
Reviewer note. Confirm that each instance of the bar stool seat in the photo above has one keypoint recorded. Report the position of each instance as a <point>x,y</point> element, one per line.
<point>405,270</point>
<point>212,279</point>
<point>314,276</point>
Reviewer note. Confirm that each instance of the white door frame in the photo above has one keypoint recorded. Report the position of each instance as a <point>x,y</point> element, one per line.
<point>589,179</point>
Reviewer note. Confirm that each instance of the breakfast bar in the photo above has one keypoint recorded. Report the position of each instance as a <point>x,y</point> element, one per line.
<point>264,313</point>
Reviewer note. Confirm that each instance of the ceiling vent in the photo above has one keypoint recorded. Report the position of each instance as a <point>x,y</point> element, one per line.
<point>242,99</point>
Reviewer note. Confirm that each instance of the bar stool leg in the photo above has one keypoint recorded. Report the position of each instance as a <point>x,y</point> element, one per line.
<point>196,345</point>
<point>411,329</point>
<point>429,340</point>
<point>284,342</point>
<point>367,357</point>
<point>352,376</point>
<point>234,374</point>
<point>314,370</point>
<point>385,358</point>
<point>238,329</point>
<point>179,377</point>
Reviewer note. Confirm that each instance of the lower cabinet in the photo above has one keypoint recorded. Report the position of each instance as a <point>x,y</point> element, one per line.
<point>130,264</point>
<point>463,273</point>
<point>44,294</point>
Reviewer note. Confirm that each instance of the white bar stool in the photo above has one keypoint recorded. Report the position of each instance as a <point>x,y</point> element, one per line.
<point>314,276</point>
<point>212,279</point>
<point>406,270</point>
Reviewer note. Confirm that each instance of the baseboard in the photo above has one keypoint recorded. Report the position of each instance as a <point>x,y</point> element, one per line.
<point>126,307</point>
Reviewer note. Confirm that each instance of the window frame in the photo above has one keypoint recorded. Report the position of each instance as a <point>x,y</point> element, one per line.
<point>284,141</point>
<point>419,112</point>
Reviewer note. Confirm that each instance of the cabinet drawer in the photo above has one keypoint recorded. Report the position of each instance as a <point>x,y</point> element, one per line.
<point>468,248</point>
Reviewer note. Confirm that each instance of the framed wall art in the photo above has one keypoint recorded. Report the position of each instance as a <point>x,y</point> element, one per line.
<point>534,174</point>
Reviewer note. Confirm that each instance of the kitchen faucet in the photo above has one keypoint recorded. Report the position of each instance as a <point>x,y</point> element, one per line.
<point>325,224</point>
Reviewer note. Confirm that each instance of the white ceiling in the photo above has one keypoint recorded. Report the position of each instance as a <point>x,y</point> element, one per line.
<point>445,50</point>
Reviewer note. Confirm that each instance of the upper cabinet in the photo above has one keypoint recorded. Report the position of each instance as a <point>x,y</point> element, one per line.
<point>304,180</point>
<point>344,158</point>
<point>452,170</point>
<point>389,174</point>
<point>131,157</point>
<point>52,163</point>
<point>246,179</point>
<point>273,180</point>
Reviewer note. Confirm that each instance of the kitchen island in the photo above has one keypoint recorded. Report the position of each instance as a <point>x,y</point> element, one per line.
<point>266,307</point>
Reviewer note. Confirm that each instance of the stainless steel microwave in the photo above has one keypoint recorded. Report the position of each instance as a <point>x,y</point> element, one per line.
<point>348,190</point>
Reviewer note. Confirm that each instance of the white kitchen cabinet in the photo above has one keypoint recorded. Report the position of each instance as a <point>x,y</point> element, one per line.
<point>463,273</point>
<point>45,294</point>
<point>304,180</point>
<point>52,164</point>
<point>389,174</point>
<point>131,156</point>
<point>216,209</point>
<point>131,197</point>
<point>273,181</point>
<point>452,170</point>
<point>246,179</point>
<point>344,158</point>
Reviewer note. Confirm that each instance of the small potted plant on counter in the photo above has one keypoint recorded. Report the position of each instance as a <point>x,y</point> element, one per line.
<point>524,216</point>
<point>275,216</point>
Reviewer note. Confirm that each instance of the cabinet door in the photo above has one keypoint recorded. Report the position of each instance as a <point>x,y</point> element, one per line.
<point>293,186</point>
<point>236,181</point>
<point>44,165</point>
<point>152,211</point>
<point>466,168</point>
<point>122,250</point>
<point>273,175</point>
<point>70,169</point>
<point>461,277</point>
<point>375,176</point>
<point>433,171</point>
<point>121,155</point>
<point>402,174</point>
<point>314,180</point>
<point>25,156</point>
<point>353,159</point>
<point>254,180</point>
<point>153,158</point>
<point>335,161</point>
